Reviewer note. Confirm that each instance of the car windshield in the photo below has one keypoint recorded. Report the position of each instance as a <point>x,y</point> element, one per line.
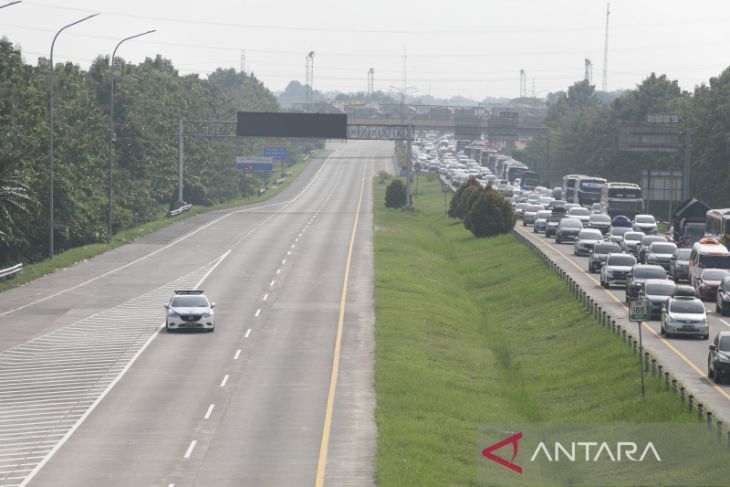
<point>717,261</point>
<point>660,289</point>
<point>663,248</point>
<point>619,230</point>
<point>714,275</point>
<point>189,302</point>
<point>644,219</point>
<point>683,254</point>
<point>543,214</point>
<point>650,273</point>
<point>686,306</point>
<point>652,238</point>
<point>570,223</point>
<point>601,219</point>
<point>622,260</point>
<point>634,236</point>
<point>579,212</point>
<point>590,235</point>
<point>605,248</point>
<point>535,208</point>
<point>724,343</point>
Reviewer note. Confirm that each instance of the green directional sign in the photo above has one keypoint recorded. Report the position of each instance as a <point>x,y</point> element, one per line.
<point>639,310</point>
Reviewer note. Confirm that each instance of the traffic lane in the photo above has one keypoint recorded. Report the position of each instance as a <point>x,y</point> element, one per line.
<point>682,357</point>
<point>194,364</point>
<point>134,417</point>
<point>353,437</point>
<point>285,387</point>
<point>141,266</point>
<point>692,348</point>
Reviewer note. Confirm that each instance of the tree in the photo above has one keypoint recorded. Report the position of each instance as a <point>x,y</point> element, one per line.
<point>489,215</point>
<point>395,194</point>
<point>456,206</point>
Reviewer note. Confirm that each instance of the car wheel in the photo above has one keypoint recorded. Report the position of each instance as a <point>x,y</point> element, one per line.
<point>706,337</point>
<point>717,307</point>
<point>557,240</point>
<point>710,373</point>
<point>723,310</point>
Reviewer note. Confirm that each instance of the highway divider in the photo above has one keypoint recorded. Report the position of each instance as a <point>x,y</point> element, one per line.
<point>650,363</point>
<point>10,271</point>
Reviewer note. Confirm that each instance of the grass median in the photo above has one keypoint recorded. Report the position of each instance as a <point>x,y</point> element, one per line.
<point>472,331</point>
<point>69,257</point>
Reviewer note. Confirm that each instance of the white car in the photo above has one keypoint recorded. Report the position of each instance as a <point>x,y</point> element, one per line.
<point>616,269</point>
<point>684,315</point>
<point>582,214</point>
<point>587,238</point>
<point>190,309</point>
<point>646,224</point>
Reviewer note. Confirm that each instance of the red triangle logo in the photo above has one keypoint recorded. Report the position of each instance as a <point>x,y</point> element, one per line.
<point>487,452</point>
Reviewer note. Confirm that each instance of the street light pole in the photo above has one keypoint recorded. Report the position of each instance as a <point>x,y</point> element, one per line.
<point>50,112</point>
<point>11,3</point>
<point>111,126</point>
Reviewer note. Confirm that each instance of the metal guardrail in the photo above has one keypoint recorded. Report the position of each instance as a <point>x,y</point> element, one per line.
<point>179,210</point>
<point>10,271</point>
<point>650,362</point>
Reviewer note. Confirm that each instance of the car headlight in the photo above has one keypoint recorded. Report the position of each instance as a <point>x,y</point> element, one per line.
<point>208,314</point>
<point>172,313</point>
<point>723,357</point>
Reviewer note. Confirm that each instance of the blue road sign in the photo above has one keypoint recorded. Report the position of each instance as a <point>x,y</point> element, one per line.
<point>276,153</point>
<point>254,164</point>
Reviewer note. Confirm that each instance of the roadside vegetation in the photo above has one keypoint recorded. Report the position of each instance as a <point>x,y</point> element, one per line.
<point>149,100</point>
<point>77,254</point>
<point>472,331</point>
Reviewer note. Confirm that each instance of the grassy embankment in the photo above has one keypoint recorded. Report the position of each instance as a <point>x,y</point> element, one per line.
<point>475,331</point>
<point>71,256</point>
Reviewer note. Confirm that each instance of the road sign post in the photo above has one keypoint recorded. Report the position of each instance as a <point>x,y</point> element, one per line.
<point>277,154</point>
<point>640,311</point>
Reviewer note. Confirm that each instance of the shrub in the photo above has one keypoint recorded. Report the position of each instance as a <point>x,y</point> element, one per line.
<point>489,214</point>
<point>456,207</point>
<point>383,176</point>
<point>395,194</point>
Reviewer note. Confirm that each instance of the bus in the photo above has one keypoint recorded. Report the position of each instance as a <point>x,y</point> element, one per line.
<point>569,183</point>
<point>622,199</point>
<point>489,157</point>
<point>499,165</point>
<point>717,224</point>
<point>513,170</point>
<point>530,179</point>
<point>588,190</point>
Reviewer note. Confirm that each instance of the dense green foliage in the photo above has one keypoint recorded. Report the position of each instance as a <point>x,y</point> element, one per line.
<point>484,211</point>
<point>395,194</point>
<point>149,100</point>
<point>583,135</point>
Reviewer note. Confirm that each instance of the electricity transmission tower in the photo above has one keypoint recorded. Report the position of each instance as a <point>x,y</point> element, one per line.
<point>523,83</point>
<point>588,71</point>
<point>309,79</point>
<point>604,84</point>
<point>371,83</point>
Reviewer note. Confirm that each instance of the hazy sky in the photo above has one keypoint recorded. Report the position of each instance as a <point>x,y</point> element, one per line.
<point>454,47</point>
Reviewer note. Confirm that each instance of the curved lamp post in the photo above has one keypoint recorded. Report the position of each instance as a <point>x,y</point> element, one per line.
<point>50,164</point>
<point>111,124</point>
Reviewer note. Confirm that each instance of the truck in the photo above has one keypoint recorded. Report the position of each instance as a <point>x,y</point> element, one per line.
<point>688,222</point>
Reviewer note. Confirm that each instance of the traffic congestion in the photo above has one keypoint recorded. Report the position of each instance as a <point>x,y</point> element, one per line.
<point>679,269</point>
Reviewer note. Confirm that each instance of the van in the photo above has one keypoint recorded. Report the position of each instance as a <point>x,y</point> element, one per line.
<point>707,256</point>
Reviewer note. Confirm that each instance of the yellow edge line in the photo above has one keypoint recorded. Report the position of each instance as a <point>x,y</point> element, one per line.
<point>322,463</point>
<point>646,327</point>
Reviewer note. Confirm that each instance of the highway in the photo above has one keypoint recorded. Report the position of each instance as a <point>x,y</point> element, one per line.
<point>685,358</point>
<point>93,392</point>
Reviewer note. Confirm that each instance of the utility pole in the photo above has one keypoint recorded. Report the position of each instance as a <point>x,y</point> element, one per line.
<point>371,84</point>
<point>309,79</point>
<point>588,76</point>
<point>604,84</point>
<point>243,61</point>
<point>523,83</point>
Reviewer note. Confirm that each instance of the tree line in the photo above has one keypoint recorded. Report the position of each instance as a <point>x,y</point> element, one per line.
<point>583,134</point>
<point>149,99</point>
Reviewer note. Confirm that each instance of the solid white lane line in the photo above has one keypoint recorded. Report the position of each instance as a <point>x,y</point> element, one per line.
<point>248,332</point>
<point>238,353</point>
<point>209,411</point>
<point>224,381</point>
<point>190,449</point>
<point>257,313</point>
<point>724,322</point>
<point>266,296</point>
<point>271,284</point>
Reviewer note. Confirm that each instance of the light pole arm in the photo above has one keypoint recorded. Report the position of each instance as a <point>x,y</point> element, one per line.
<point>11,3</point>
